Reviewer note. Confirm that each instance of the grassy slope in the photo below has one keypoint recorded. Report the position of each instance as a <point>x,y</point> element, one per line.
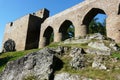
<point>87,72</point>
<point>90,72</point>
<point>9,56</point>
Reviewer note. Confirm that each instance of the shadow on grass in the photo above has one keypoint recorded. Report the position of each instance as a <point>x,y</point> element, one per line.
<point>3,61</point>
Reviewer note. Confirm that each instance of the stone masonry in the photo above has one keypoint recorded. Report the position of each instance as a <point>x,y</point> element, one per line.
<point>34,30</point>
<point>26,30</point>
<point>80,16</point>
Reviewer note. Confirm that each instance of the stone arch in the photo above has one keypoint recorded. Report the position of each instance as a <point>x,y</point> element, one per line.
<point>90,15</point>
<point>63,29</point>
<point>48,33</point>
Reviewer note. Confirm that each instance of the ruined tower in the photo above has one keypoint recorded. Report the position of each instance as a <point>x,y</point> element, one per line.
<point>25,31</point>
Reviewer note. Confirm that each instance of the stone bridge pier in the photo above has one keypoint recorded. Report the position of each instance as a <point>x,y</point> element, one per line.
<point>113,27</point>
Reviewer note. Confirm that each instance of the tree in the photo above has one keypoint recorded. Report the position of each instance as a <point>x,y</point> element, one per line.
<point>52,37</point>
<point>97,27</point>
<point>70,31</point>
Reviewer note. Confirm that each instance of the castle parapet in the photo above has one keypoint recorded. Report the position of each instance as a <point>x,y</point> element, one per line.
<point>43,13</point>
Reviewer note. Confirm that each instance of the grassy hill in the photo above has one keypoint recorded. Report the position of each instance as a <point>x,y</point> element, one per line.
<point>109,74</point>
<point>10,56</point>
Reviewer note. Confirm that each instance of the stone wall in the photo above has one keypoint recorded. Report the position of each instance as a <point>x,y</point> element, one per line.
<point>17,31</point>
<point>26,30</point>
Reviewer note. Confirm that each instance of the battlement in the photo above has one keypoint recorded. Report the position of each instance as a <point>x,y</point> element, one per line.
<point>43,13</point>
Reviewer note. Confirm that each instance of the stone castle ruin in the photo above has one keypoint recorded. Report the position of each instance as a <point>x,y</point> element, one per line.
<point>34,30</point>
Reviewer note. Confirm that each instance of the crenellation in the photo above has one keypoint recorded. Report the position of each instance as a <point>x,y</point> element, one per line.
<point>43,13</point>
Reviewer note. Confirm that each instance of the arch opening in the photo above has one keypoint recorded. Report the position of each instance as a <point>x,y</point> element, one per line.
<point>95,21</point>
<point>67,30</point>
<point>119,10</point>
<point>48,35</point>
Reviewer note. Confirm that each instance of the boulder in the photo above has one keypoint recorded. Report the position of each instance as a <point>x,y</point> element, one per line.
<point>96,36</point>
<point>97,51</point>
<point>9,46</point>
<point>66,76</point>
<point>97,63</point>
<point>60,50</point>
<point>76,52</point>
<point>114,46</point>
<point>75,41</point>
<point>78,60</point>
<point>99,45</point>
<point>40,65</point>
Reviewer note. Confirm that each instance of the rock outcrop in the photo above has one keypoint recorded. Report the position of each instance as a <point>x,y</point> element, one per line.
<point>66,76</point>
<point>9,46</point>
<point>98,63</point>
<point>94,53</point>
<point>78,59</point>
<point>95,43</point>
<point>86,39</point>
<point>40,64</point>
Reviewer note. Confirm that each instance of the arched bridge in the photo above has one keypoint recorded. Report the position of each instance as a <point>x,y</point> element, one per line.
<point>80,16</point>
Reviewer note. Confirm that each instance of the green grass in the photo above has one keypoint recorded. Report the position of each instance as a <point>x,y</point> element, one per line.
<point>90,72</point>
<point>56,44</point>
<point>10,56</point>
<point>30,77</point>
<point>116,55</point>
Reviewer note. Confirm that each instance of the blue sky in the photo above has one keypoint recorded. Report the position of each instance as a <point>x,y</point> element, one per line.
<point>10,10</point>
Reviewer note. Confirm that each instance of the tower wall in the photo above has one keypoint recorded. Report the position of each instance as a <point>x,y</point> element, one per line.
<point>17,31</point>
<point>25,32</point>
